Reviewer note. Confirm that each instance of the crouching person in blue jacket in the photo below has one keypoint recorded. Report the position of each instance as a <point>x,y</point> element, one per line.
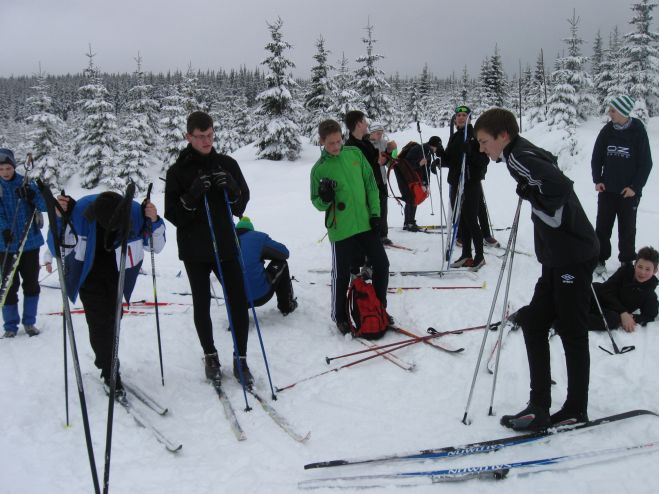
<point>92,258</point>
<point>257,247</point>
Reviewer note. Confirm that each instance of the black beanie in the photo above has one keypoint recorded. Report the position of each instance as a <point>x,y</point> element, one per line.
<point>104,208</point>
<point>434,141</point>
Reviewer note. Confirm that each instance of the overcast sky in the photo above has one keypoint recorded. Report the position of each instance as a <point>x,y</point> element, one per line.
<point>212,34</point>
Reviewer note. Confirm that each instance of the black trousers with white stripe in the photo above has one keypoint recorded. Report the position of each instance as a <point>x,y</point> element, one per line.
<point>561,299</point>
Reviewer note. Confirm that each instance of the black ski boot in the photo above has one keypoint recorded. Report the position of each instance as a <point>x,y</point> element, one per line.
<point>567,417</point>
<point>533,418</point>
<point>247,375</point>
<point>119,391</point>
<point>212,367</point>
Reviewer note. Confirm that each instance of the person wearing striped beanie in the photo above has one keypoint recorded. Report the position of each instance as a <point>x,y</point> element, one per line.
<point>620,164</point>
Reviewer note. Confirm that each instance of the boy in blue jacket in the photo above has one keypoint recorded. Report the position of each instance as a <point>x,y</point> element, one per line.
<point>263,282</point>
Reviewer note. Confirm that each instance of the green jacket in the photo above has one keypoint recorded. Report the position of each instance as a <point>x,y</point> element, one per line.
<point>357,198</point>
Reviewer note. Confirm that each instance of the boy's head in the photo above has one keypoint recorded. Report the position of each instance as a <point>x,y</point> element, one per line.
<point>645,268</point>
<point>462,113</point>
<point>356,123</point>
<point>495,129</point>
<point>103,209</point>
<point>620,108</point>
<point>329,133</point>
<point>376,131</point>
<point>200,132</point>
<point>7,164</point>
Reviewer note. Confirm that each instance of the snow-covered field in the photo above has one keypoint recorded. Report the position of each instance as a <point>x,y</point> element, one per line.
<point>370,409</point>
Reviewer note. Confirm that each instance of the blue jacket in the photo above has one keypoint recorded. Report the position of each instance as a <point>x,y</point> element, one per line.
<point>10,202</point>
<point>79,259</point>
<point>256,247</point>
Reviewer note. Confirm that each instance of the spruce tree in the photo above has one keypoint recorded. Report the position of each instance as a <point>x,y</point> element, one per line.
<point>97,142</point>
<point>641,61</point>
<point>277,112</point>
<point>562,107</point>
<point>609,82</point>
<point>45,135</point>
<point>318,99</point>
<point>575,74</point>
<point>172,126</point>
<point>370,83</point>
<point>345,97</point>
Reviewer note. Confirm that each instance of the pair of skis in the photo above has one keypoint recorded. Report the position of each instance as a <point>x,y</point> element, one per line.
<point>496,471</point>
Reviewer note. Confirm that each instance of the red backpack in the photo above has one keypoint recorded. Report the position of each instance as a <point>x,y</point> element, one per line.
<point>406,176</point>
<point>369,317</point>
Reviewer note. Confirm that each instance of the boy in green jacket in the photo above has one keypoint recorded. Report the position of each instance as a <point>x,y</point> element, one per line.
<point>343,186</point>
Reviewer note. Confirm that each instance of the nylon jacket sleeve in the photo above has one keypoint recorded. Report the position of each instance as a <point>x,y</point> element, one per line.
<point>238,204</point>
<point>644,163</point>
<point>274,250</point>
<point>371,188</point>
<point>649,310</point>
<point>175,212</point>
<point>597,160</point>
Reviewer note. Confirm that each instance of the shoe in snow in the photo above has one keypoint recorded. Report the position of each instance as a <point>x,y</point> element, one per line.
<point>386,241</point>
<point>600,269</point>
<point>292,305</point>
<point>9,334</point>
<point>463,261</point>
<point>212,367</point>
<point>247,374</point>
<point>477,263</point>
<point>532,418</point>
<point>566,417</point>
<point>491,242</point>
<point>31,329</point>
<point>119,391</point>
<point>411,227</point>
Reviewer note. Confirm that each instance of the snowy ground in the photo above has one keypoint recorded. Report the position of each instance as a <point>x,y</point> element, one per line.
<point>370,409</point>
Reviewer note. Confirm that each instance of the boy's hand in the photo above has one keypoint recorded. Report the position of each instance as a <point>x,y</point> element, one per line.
<point>600,187</point>
<point>628,323</point>
<point>150,210</point>
<point>628,192</point>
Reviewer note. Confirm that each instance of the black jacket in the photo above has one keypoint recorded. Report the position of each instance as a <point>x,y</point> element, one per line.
<point>622,293</point>
<point>192,231</point>
<point>562,233</point>
<point>476,163</point>
<point>414,157</point>
<point>621,158</point>
<point>371,154</point>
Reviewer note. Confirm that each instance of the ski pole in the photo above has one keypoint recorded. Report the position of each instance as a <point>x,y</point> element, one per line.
<point>616,350</point>
<point>122,214</point>
<point>149,228</point>
<point>423,151</point>
<point>504,316</point>
<point>218,264</point>
<point>250,297</point>
<point>51,204</point>
<point>489,317</point>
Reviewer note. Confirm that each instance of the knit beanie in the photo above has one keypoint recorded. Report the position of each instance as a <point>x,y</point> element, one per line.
<point>375,126</point>
<point>434,141</point>
<point>463,109</point>
<point>7,157</point>
<point>623,104</point>
<point>245,223</point>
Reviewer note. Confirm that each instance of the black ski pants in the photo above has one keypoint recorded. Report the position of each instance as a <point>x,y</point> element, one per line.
<point>561,297</point>
<point>27,273</point>
<point>99,297</point>
<point>235,298</point>
<point>344,252</point>
<point>384,226</point>
<point>280,278</point>
<point>610,206</point>
<point>471,231</point>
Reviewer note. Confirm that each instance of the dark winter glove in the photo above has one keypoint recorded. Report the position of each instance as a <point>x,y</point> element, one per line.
<point>223,180</point>
<point>375,223</point>
<point>25,193</point>
<point>523,190</point>
<point>326,189</point>
<point>436,163</point>
<point>199,187</point>
<point>7,236</point>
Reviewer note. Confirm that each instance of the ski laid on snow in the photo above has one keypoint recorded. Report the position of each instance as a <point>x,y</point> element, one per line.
<point>497,471</point>
<point>491,361</point>
<point>142,421</point>
<point>229,412</point>
<point>145,398</point>
<point>479,447</point>
<point>389,356</point>
<point>279,419</point>
<point>426,340</point>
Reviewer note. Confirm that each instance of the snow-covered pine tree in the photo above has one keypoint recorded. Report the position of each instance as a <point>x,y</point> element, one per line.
<point>318,99</point>
<point>493,87</point>
<point>641,61</point>
<point>172,126</point>
<point>242,121</point>
<point>609,82</point>
<point>45,135</point>
<point>596,67</point>
<point>97,142</point>
<point>370,83</point>
<point>190,92</point>
<point>575,73</point>
<point>277,130</point>
<point>562,107</point>
<point>344,96</point>
<point>137,136</point>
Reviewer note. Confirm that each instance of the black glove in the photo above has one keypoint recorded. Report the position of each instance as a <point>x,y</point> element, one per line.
<point>375,223</point>
<point>199,187</point>
<point>224,180</point>
<point>436,163</point>
<point>326,189</point>
<point>7,236</point>
<point>523,190</point>
<point>25,193</point>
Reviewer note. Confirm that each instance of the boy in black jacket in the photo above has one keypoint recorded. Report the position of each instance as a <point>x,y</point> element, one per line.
<point>200,172</point>
<point>621,164</point>
<point>567,248</point>
<point>629,289</point>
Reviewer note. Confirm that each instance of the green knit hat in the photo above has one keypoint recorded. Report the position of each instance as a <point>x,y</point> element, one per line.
<point>245,223</point>
<point>623,104</point>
